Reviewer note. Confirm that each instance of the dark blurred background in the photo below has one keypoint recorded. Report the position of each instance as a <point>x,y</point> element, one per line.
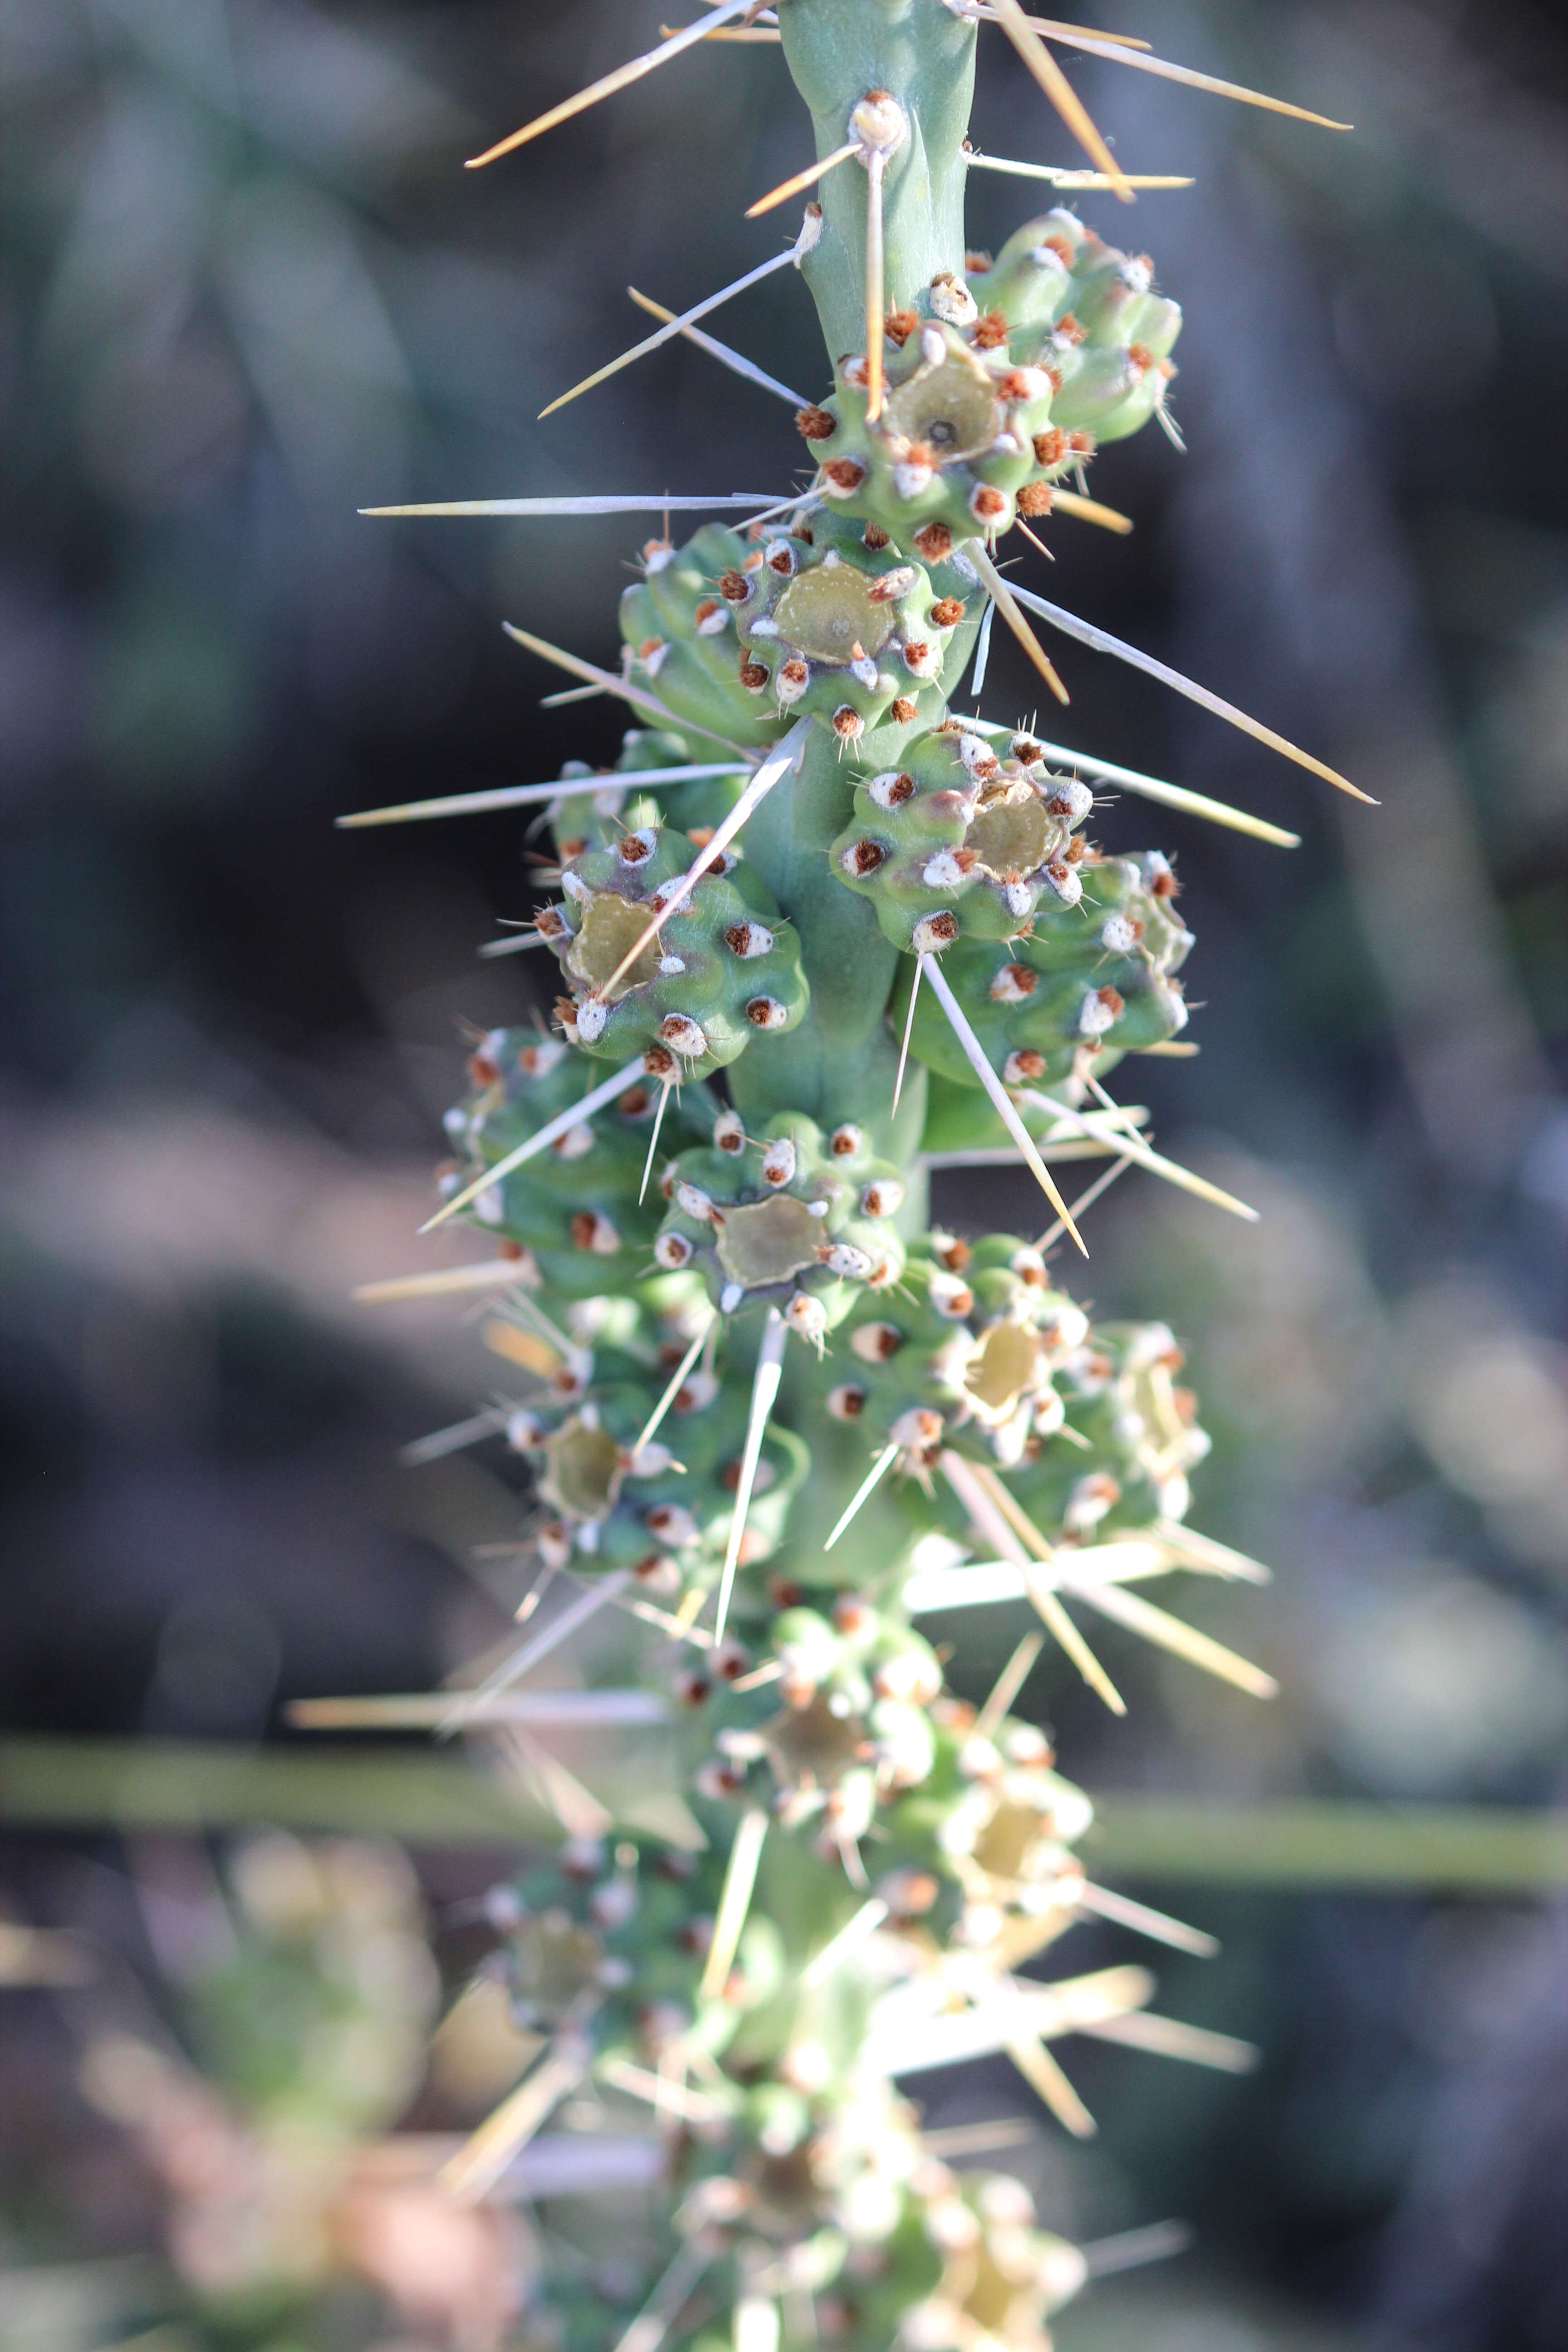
<point>245,288</point>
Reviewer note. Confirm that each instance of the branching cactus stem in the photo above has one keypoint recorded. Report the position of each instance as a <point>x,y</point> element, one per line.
<point>816,934</point>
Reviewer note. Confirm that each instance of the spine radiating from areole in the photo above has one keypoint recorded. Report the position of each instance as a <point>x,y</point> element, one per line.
<point>815,931</point>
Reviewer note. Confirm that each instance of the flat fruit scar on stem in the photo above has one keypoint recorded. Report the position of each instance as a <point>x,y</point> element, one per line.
<point>949,406</point>
<point>611,925</point>
<point>765,1242</point>
<point>831,615</point>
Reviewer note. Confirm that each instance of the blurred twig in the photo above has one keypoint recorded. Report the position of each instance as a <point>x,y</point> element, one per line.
<point>97,1784</point>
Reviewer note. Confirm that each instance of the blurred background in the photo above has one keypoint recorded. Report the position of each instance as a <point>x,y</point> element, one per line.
<point>245,288</point>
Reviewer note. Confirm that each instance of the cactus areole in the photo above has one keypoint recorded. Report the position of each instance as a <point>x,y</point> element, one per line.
<point>773,1415</point>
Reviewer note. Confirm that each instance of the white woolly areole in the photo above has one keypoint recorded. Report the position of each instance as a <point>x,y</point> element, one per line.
<point>850,1264</point>
<point>779,1161</point>
<point>935,931</point>
<point>875,1342</point>
<point>682,1035</point>
<point>943,872</point>
<point>808,1317</point>
<point>1071,798</point>
<point>1008,987</point>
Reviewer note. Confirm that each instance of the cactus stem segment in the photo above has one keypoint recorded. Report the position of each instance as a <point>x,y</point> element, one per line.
<point>735,360</point>
<point>1057,177</point>
<point>863,1492</point>
<point>607,85</point>
<point>1007,1111</point>
<point>528,795</point>
<point>734,1902</point>
<point>800,180</point>
<point>778,763</point>
<point>1002,596</point>
<point>792,256</point>
<point>596,1098</point>
<point>764,1389</point>
<point>1101,641</point>
<point>1030,45</point>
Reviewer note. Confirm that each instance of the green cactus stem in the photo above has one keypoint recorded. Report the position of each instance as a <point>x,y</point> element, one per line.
<point>773,1410</point>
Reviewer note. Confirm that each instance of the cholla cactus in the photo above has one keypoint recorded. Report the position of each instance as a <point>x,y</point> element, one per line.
<point>823,928</point>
